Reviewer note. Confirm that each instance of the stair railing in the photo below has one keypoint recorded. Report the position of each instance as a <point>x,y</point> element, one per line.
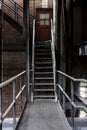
<point>53,58</point>
<point>18,85</point>
<point>13,12</point>
<point>33,59</point>
<point>19,7</point>
<point>71,95</point>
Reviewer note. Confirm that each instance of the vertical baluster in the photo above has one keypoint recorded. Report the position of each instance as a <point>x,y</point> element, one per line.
<point>16,13</point>
<point>14,107</point>
<point>64,83</point>
<point>60,83</point>
<point>16,17</point>
<point>25,85</point>
<point>72,108</point>
<point>0,108</point>
<point>58,88</point>
<point>20,95</point>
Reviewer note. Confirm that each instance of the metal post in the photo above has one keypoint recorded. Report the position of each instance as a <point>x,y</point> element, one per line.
<point>1,74</point>
<point>55,7</point>
<point>60,82</point>
<point>0,108</point>
<point>0,47</point>
<point>63,94</point>
<point>26,40</point>
<point>21,94</point>
<point>72,108</point>
<point>14,107</point>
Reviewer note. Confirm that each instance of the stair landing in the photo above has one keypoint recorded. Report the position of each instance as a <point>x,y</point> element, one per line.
<point>44,115</point>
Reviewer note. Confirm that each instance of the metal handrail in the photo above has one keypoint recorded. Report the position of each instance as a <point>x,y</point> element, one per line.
<point>12,81</point>
<point>72,78</point>
<point>33,59</point>
<point>82,43</point>
<point>53,57</point>
<point>14,2</point>
<point>21,8</point>
<point>15,12</point>
<point>70,99</point>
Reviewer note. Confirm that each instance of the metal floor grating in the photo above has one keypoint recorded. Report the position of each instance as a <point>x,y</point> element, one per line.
<point>44,114</point>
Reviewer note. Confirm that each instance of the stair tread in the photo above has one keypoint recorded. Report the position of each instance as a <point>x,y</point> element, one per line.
<point>45,67</point>
<point>43,89</point>
<point>45,58</point>
<point>44,95</point>
<point>43,72</point>
<point>43,62</point>
<point>43,84</point>
<point>44,78</point>
<point>42,54</point>
<point>44,44</point>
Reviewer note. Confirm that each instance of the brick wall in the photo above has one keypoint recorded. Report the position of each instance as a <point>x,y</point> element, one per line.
<point>11,35</point>
<point>38,4</point>
<point>14,62</point>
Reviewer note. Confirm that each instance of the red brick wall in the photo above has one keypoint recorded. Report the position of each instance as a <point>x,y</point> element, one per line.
<point>14,62</point>
<point>38,4</point>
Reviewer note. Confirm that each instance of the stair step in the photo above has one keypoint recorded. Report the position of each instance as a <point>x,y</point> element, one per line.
<point>40,84</point>
<point>44,96</point>
<point>43,62</point>
<point>43,72</point>
<point>42,54</point>
<point>47,41</point>
<point>45,67</point>
<point>44,78</point>
<point>51,90</point>
<point>43,58</point>
<point>43,49</point>
<point>43,44</point>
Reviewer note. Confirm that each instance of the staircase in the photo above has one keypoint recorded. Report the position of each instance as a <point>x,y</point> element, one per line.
<point>12,22</point>
<point>12,13</point>
<point>43,77</point>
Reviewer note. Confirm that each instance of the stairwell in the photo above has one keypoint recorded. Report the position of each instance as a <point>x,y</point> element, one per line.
<point>43,77</point>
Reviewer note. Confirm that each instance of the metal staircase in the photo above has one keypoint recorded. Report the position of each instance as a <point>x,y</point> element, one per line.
<point>43,77</point>
<point>43,68</point>
<point>12,12</point>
